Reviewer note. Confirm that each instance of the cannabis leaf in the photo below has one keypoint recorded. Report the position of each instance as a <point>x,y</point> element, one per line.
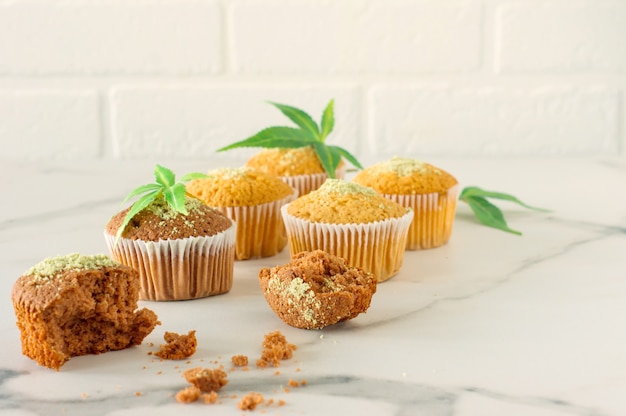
<point>488,213</point>
<point>166,187</point>
<point>308,133</point>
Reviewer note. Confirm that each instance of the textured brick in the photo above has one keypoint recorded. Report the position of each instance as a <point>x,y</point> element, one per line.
<point>561,36</point>
<point>494,121</point>
<point>41,125</point>
<point>194,121</point>
<point>374,36</point>
<point>118,36</point>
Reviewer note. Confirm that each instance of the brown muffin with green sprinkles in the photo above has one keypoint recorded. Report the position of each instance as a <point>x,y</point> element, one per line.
<point>182,248</point>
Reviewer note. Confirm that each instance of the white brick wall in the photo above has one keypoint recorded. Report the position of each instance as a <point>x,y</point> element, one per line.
<point>163,79</point>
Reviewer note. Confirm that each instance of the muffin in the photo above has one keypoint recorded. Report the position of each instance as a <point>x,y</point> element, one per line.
<point>316,289</point>
<point>350,221</point>
<point>75,305</point>
<point>253,200</point>
<point>429,191</point>
<point>178,256</point>
<point>299,167</point>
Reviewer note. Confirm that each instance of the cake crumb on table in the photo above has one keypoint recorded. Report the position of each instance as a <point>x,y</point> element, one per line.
<point>205,379</point>
<point>275,349</point>
<point>178,346</point>
<point>188,395</point>
<point>239,360</point>
<point>250,401</point>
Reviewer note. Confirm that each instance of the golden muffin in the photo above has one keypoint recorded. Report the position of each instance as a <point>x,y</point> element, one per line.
<point>350,221</point>
<point>252,199</point>
<point>429,191</point>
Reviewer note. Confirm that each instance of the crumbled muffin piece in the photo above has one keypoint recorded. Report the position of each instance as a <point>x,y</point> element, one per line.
<point>239,360</point>
<point>177,346</point>
<point>317,289</point>
<point>75,305</point>
<point>188,395</point>
<point>205,379</point>
<point>250,401</point>
<point>275,349</point>
<point>209,398</point>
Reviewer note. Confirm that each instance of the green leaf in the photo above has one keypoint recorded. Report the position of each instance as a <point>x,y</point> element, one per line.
<point>151,187</point>
<point>474,191</point>
<point>328,120</point>
<point>135,209</point>
<point>329,158</point>
<point>194,175</point>
<point>302,119</point>
<point>175,197</point>
<point>488,214</point>
<point>343,152</point>
<point>164,176</point>
<point>277,136</point>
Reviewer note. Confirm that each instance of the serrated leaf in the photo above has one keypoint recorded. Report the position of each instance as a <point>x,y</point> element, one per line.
<point>194,175</point>
<point>488,214</point>
<point>151,187</point>
<point>276,136</point>
<point>343,152</point>
<point>474,191</point>
<point>164,176</point>
<point>328,120</point>
<point>329,158</point>
<point>175,197</point>
<point>302,119</point>
<point>135,209</point>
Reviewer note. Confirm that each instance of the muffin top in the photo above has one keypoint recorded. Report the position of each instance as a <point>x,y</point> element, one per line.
<point>51,268</point>
<point>405,176</point>
<point>158,221</point>
<point>341,202</point>
<point>287,162</point>
<point>239,187</point>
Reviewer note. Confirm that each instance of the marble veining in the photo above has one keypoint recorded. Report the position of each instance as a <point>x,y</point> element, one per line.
<point>490,324</point>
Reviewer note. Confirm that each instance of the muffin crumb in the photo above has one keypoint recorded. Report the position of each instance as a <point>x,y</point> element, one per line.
<point>205,379</point>
<point>275,349</point>
<point>177,346</point>
<point>239,360</point>
<point>250,401</point>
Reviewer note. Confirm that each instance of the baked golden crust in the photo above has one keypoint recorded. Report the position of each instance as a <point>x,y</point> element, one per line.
<point>341,202</point>
<point>317,289</point>
<point>287,162</point>
<point>240,187</point>
<point>79,312</point>
<point>405,176</point>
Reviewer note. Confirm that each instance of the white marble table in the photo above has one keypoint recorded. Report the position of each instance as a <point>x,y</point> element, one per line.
<point>491,324</point>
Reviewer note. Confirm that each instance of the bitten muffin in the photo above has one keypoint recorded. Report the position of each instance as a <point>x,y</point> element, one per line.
<point>253,200</point>
<point>317,289</point>
<point>178,256</point>
<point>350,221</point>
<point>429,191</point>
<point>77,305</point>
<point>299,167</point>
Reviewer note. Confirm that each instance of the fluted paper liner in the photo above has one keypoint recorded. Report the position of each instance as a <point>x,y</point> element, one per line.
<point>307,183</point>
<point>433,217</point>
<point>260,228</point>
<point>376,247</point>
<point>187,268</point>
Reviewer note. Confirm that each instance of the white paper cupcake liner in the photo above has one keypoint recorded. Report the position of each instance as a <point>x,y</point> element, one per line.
<point>376,247</point>
<point>433,219</point>
<point>187,268</point>
<point>260,228</point>
<point>307,183</point>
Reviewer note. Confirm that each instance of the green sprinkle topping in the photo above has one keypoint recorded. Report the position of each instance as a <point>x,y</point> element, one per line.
<point>162,209</point>
<point>49,267</point>
<point>341,187</point>
<point>400,166</point>
<point>230,173</point>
